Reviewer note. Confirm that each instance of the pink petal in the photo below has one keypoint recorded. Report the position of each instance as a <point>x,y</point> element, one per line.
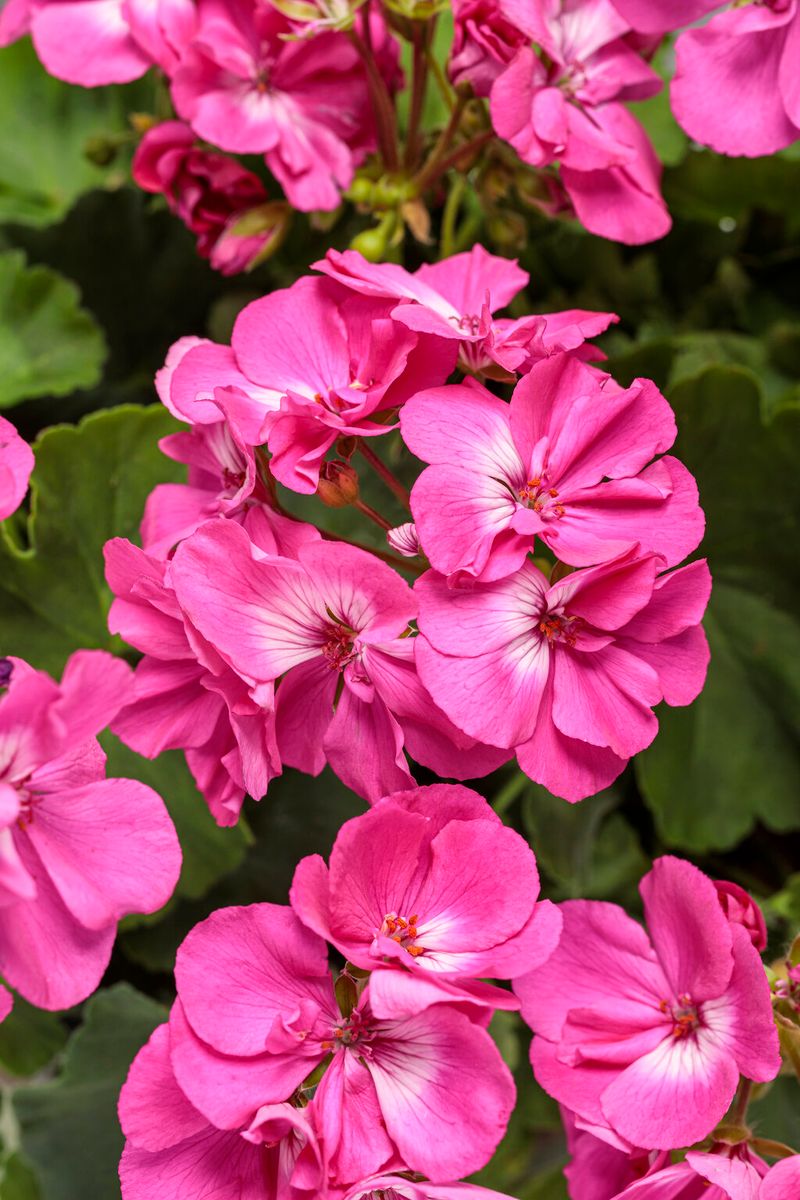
<point>88,42</point>
<point>94,687</point>
<point>736,58</point>
<point>398,994</point>
<point>681,663</point>
<point>52,960</point>
<point>16,457</point>
<point>659,16</point>
<point>754,1035</point>
<point>364,746</point>
<point>310,895</point>
<point>782,1181</point>
<point>690,932</point>
<point>243,969</point>
<point>740,1180</point>
<point>303,714</point>
<point>678,602</point>
<point>110,848</point>
<point>427,1072</point>
<point>350,1119</point>
<point>153,1111</point>
<point>605,699</point>
<point>567,767</point>
<point>464,279</point>
<point>212,1165</point>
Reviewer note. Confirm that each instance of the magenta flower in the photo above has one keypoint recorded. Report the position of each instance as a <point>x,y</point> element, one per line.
<point>183,695</point>
<point>407,885</point>
<point>332,625</point>
<point>211,194</point>
<point>484,42</point>
<point>601,1163</point>
<point>566,673</point>
<point>6,1002</point>
<point>256,1015</point>
<point>95,42</point>
<point>455,299</point>
<point>247,87</point>
<point>729,1173</point>
<point>77,851</point>
<point>336,366</point>
<point>394,1187</point>
<point>16,464</point>
<point>173,1153</point>
<point>567,108</point>
<point>647,1035</point>
<point>565,462</point>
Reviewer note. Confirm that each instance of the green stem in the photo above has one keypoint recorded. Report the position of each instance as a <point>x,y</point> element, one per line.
<point>739,1111</point>
<point>372,514</point>
<point>508,794</point>
<point>447,240</point>
<point>387,475</point>
<point>443,144</point>
<point>419,87</point>
<point>385,116</point>
<point>452,160</point>
<point>442,82</point>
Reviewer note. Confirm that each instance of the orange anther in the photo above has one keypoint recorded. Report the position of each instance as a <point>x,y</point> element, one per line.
<point>552,492</point>
<point>413,920</point>
<point>415,951</point>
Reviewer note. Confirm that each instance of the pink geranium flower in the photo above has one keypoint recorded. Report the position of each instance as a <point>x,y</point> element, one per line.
<point>567,673</point>
<point>647,1034</point>
<point>394,1187</point>
<point>484,42</point>
<point>16,464</point>
<point>246,85</point>
<point>211,194</point>
<point>332,625</point>
<point>183,695</point>
<point>173,1153</point>
<point>601,1163</point>
<point>565,462</point>
<point>6,1002</point>
<point>95,42</point>
<point>257,1014</point>
<point>455,299</point>
<point>730,1173</point>
<point>741,908</point>
<point>77,851</point>
<point>567,108</point>
<point>407,885</point>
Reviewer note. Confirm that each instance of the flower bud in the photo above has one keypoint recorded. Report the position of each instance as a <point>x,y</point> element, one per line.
<point>338,485</point>
<point>741,909</point>
<point>404,539</point>
<point>6,671</point>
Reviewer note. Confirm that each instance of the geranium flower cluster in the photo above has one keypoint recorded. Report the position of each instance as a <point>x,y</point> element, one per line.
<point>276,1077</point>
<point>77,851</point>
<point>311,87</point>
<point>268,643</point>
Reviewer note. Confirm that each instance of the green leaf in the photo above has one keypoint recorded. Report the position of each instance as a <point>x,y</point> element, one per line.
<point>68,1128</point>
<point>29,1038</point>
<point>732,757</point>
<point>17,1181</point>
<point>209,852</point>
<point>89,484</point>
<point>48,344</point>
<point>43,165</point>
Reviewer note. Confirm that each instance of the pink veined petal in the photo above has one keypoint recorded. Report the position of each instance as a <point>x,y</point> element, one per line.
<point>172,512</point>
<point>674,1095</point>
<point>169,709</point>
<point>610,595</point>
<point>395,995</point>
<point>364,746</point>
<point>668,1183</point>
<point>364,593</point>
<point>6,1002</point>
<point>227,1089</point>
<point>427,1071</point>
<point>754,1036</point>
<point>607,958</point>
<point>681,663</point>
<point>189,387</point>
<point>464,279</point>
<point>787,75</point>
<point>678,602</point>
<point>212,1165</point>
<point>381,280</point>
<point>242,969</point>
<point>350,1118</point>
<point>659,16</point>
<point>565,766</point>
<point>782,1181</point>
<point>531,947</point>
<point>45,954</point>
<point>689,931</point>
<point>484,619</point>
<point>109,848</point>
<point>597,1169</point>
<point>623,203</point>
<point>310,895</point>
<point>605,698</point>
<point>513,107</point>
<point>579,1089</point>
<point>736,58</point>
<point>88,42</point>
<point>94,687</point>
<point>81,764</point>
<point>303,714</point>
<point>443,802</point>
<point>738,1179</point>
<point>153,1111</point>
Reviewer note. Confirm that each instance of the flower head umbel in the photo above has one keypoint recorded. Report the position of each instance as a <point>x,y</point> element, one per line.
<point>332,625</point>
<point>646,1033</point>
<point>257,1015</point>
<point>77,851</point>
<point>567,673</point>
<point>431,882</point>
<point>566,463</point>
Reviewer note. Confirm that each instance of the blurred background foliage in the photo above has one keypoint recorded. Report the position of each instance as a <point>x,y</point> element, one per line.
<point>97,280</point>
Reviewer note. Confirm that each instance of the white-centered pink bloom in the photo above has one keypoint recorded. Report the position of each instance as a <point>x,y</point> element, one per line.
<point>432,883</point>
<point>173,1153</point>
<point>567,107</point>
<point>455,300</point>
<point>16,464</point>
<point>77,851</point>
<point>736,86</point>
<point>332,625</point>
<point>184,696</point>
<point>256,1015</point>
<point>245,84</point>
<point>647,1033</point>
<point>398,1187</point>
<point>95,42</point>
<point>566,462</point>
<point>567,673</point>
